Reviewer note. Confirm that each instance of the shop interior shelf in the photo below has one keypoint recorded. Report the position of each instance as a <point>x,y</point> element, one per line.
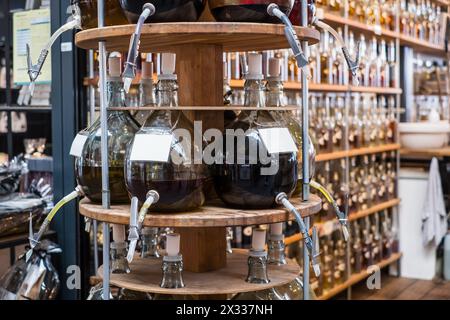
<point>158,37</point>
<point>207,108</point>
<point>425,153</point>
<point>206,216</point>
<point>145,276</point>
<point>352,216</point>
<point>319,87</point>
<point>357,152</point>
<point>355,278</point>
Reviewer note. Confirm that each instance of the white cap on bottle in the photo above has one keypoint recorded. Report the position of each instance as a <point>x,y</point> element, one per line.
<point>259,239</point>
<point>276,228</point>
<point>254,66</point>
<point>168,63</point>
<point>147,70</point>
<point>274,68</point>
<point>118,233</point>
<point>173,244</point>
<point>114,66</point>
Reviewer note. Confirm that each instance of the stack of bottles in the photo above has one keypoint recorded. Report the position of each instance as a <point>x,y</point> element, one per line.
<point>373,239</point>
<point>371,181</point>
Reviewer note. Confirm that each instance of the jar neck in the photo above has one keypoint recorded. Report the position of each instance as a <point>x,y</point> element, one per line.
<point>150,244</point>
<point>167,92</point>
<point>276,250</point>
<point>116,94</point>
<point>257,267</point>
<point>172,273</point>
<point>146,93</point>
<point>275,93</point>
<point>254,93</point>
<point>118,256</point>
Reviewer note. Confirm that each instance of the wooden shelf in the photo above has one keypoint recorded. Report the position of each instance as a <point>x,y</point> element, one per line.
<point>207,108</point>
<point>158,37</point>
<point>352,216</point>
<point>206,216</point>
<point>416,44</point>
<point>355,278</point>
<point>146,275</point>
<point>356,152</point>
<point>318,87</point>
<point>426,153</point>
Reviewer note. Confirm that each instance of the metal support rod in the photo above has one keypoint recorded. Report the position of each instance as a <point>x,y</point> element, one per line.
<point>305,148</point>
<point>91,121</point>
<point>104,147</point>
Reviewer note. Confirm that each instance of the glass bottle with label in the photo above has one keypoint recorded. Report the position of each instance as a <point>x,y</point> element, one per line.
<point>384,66</point>
<point>340,262</point>
<point>392,58</point>
<point>377,250</point>
<point>386,234</point>
<point>326,62</point>
<point>339,122</point>
<point>367,240</point>
<point>364,62</point>
<point>169,166</point>
<point>327,263</point>
<point>391,132</point>
<point>355,134</point>
<point>354,187</point>
<point>254,171</point>
<point>121,129</point>
<point>323,127</point>
<point>374,64</point>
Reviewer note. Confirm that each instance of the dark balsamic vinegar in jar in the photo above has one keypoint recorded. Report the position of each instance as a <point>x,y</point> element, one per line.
<point>241,181</point>
<point>121,129</point>
<point>177,178</point>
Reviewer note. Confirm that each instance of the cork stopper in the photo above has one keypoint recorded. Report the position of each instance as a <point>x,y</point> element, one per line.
<point>173,244</point>
<point>276,229</point>
<point>254,66</point>
<point>168,63</point>
<point>114,67</point>
<point>118,233</point>
<point>258,239</point>
<point>147,70</point>
<point>274,67</point>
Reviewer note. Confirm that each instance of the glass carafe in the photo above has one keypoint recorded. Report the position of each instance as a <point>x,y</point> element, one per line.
<point>178,180</point>
<point>249,177</point>
<point>121,129</point>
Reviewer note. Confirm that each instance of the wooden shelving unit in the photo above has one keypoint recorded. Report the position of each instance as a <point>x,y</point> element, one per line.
<point>208,270</point>
<point>426,153</point>
<point>351,217</point>
<point>355,278</point>
<point>315,87</point>
<point>357,152</point>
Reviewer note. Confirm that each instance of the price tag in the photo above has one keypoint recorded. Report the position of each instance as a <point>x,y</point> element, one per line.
<point>277,140</point>
<point>377,30</point>
<point>320,13</point>
<point>151,147</point>
<point>328,228</point>
<point>77,145</point>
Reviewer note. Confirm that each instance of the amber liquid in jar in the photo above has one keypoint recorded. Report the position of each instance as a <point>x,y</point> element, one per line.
<point>113,13</point>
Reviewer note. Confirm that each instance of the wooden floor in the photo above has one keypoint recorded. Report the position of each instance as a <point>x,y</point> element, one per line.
<point>393,288</point>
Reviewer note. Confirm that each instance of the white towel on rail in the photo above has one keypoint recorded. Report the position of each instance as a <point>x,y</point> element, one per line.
<point>434,216</point>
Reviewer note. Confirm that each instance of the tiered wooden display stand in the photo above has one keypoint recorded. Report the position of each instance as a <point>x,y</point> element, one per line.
<point>199,47</point>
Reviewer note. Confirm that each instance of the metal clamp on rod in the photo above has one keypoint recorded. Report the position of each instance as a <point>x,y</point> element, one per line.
<point>282,199</point>
<point>353,64</point>
<point>291,37</point>
<point>34,70</point>
<point>136,220</point>
<point>129,71</point>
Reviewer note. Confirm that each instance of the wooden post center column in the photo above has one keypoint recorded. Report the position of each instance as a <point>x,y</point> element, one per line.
<point>200,79</point>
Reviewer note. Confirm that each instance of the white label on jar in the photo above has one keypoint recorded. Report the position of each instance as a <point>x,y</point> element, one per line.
<point>77,145</point>
<point>151,147</point>
<point>277,140</point>
<point>320,13</point>
<point>377,30</point>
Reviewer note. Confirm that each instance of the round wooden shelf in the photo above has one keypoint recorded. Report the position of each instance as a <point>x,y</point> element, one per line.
<point>146,276</point>
<point>206,216</point>
<point>158,37</point>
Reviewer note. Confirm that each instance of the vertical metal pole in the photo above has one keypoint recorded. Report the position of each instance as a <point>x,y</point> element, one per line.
<point>305,148</point>
<point>8,66</point>
<point>91,121</point>
<point>104,148</point>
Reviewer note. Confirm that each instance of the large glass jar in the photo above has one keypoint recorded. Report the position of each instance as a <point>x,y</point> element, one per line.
<point>88,10</point>
<point>166,11</point>
<point>177,178</point>
<point>121,129</point>
<point>249,177</point>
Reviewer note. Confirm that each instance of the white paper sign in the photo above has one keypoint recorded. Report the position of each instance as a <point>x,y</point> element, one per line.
<point>377,30</point>
<point>77,145</point>
<point>151,147</point>
<point>277,140</point>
